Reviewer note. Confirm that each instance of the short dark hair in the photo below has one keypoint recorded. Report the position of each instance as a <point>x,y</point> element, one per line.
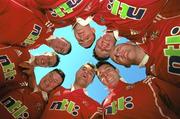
<point>104,62</point>
<point>92,42</point>
<point>99,58</point>
<point>57,61</point>
<point>92,66</point>
<point>61,73</point>
<point>70,48</point>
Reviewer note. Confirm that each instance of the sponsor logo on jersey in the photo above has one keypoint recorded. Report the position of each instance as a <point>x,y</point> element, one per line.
<point>65,105</point>
<point>120,104</point>
<point>15,108</point>
<point>33,36</point>
<point>65,8</point>
<point>172,53</point>
<point>125,11</point>
<point>8,67</point>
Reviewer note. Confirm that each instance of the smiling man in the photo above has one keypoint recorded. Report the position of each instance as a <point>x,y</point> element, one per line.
<point>155,97</point>
<point>160,55</point>
<point>74,103</point>
<point>85,35</point>
<point>11,57</point>
<point>27,99</point>
<point>62,13</point>
<point>130,19</point>
<point>103,46</point>
<point>45,60</point>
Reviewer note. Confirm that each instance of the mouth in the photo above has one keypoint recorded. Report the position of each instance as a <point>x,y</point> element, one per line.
<point>123,54</point>
<point>84,76</point>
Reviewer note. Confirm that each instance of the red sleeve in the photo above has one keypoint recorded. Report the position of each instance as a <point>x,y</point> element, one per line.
<point>6,86</point>
<point>148,47</point>
<point>49,3</point>
<point>3,5</point>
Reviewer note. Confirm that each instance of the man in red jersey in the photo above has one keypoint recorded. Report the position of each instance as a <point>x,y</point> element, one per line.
<point>130,19</point>
<point>73,103</point>
<point>61,13</point>
<point>11,57</point>
<point>148,99</point>
<point>28,101</point>
<point>160,55</point>
<point>29,28</point>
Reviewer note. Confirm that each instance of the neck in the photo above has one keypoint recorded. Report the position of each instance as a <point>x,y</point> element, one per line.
<point>76,86</point>
<point>49,43</point>
<point>139,55</point>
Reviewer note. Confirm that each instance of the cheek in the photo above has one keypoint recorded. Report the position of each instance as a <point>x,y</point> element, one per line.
<point>52,85</point>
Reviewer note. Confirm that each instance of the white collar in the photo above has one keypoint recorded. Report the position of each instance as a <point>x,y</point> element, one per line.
<point>44,95</point>
<point>144,61</point>
<point>31,59</point>
<point>84,22</point>
<point>51,37</point>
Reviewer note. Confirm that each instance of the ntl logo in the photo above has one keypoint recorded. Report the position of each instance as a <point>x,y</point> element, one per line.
<point>33,36</point>
<point>172,53</point>
<point>15,108</point>
<point>65,105</point>
<point>8,67</point>
<point>122,103</point>
<point>125,11</point>
<point>65,8</point>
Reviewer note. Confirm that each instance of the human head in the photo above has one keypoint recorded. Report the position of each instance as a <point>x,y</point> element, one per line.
<point>103,46</point>
<point>47,59</point>
<point>85,35</point>
<point>85,75</point>
<point>52,80</point>
<point>127,54</point>
<point>107,74</point>
<point>60,45</point>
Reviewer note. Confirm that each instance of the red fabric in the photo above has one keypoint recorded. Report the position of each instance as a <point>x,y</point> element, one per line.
<point>171,9</point>
<point>83,9</point>
<point>114,22</point>
<point>141,102</point>
<point>159,64</point>
<point>87,106</point>
<point>17,23</point>
<point>48,3</point>
<point>33,101</point>
<point>10,58</point>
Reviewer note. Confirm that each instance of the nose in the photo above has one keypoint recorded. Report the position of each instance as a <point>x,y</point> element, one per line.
<point>117,54</point>
<point>104,44</point>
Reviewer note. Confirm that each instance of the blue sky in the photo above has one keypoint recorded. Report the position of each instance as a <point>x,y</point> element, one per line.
<point>72,62</point>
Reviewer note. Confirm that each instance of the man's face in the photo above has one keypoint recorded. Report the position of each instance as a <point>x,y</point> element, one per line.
<point>85,35</point>
<point>104,46</point>
<point>108,75</point>
<point>124,54</point>
<point>50,81</point>
<point>61,46</point>
<point>45,60</point>
<point>85,75</point>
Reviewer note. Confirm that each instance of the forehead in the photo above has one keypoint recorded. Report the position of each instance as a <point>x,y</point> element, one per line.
<point>55,75</point>
<point>122,46</point>
<point>104,67</point>
<point>87,67</point>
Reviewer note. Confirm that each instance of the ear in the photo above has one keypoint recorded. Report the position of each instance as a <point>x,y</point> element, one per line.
<point>93,30</point>
<point>117,71</point>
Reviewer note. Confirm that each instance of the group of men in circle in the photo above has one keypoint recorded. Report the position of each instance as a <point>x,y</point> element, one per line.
<point>152,27</point>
